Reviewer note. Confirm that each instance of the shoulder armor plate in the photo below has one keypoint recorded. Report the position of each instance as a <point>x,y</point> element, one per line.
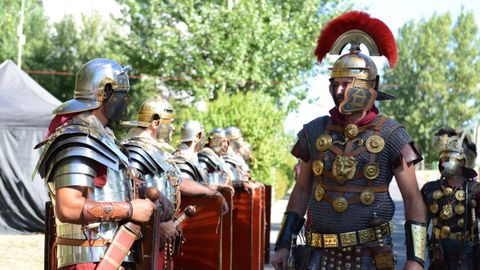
<point>75,138</point>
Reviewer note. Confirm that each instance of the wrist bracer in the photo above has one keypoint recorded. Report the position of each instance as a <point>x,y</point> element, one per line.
<point>416,240</point>
<point>106,211</point>
<point>291,224</point>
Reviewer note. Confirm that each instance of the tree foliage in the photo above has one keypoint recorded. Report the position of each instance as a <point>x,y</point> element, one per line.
<point>207,47</point>
<point>437,78</point>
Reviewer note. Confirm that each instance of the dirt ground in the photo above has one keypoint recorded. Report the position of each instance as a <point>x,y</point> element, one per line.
<point>21,252</point>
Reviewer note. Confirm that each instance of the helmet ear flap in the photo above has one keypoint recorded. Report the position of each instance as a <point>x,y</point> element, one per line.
<point>107,91</point>
<point>377,82</point>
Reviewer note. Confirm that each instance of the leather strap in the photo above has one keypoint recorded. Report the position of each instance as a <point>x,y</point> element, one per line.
<point>81,243</point>
<point>337,188</point>
<point>104,211</point>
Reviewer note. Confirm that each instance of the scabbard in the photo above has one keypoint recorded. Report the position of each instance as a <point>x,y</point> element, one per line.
<point>120,246</point>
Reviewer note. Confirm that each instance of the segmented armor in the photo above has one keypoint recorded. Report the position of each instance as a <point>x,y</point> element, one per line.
<point>81,153</point>
<point>189,165</point>
<point>214,166</point>
<point>155,166</point>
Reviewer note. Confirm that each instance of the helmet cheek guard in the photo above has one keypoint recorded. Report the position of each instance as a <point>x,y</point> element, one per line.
<point>357,97</point>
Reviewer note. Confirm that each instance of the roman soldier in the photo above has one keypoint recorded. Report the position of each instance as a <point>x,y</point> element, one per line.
<point>157,169</point>
<point>192,137</point>
<point>211,159</point>
<point>453,204</point>
<point>236,152</point>
<point>347,162</point>
<point>89,175</point>
<point>147,144</point>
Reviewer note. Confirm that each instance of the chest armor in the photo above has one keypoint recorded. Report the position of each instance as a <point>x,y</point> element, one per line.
<point>158,167</point>
<point>351,174</point>
<point>215,166</point>
<point>118,188</point>
<point>450,209</point>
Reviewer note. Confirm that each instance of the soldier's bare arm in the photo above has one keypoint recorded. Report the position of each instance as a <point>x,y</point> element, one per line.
<point>412,200</point>
<point>73,207</point>
<point>297,203</point>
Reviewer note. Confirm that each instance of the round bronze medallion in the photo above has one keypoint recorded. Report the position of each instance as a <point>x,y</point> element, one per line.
<point>460,195</point>
<point>444,232</point>
<point>375,144</point>
<point>367,197</point>
<point>351,131</point>
<point>434,221</point>
<point>460,222</point>
<point>459,209</point>
<point>371,171</point>
<point>319,192</point>
<point>317,167</point>
<point>434,207</point>
<point>324,142</point>
<point>340,204</point>
<point>437,194</point>
<point>447,191</point>
<point>446,212</point>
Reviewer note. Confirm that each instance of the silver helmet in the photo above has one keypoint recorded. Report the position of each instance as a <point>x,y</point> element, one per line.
<point>99,81</point>
<point>190,131</point>
<point>233,133</point>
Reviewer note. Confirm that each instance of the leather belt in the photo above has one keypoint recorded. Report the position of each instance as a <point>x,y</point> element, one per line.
<point>81,243</point>
<point>337,188</point>
<point>346,239</point>
<point>437,232</point>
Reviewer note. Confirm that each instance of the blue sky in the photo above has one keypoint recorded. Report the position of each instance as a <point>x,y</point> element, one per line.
<point>395,14</point>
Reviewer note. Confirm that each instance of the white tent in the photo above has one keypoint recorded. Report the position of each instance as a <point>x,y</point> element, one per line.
<point>25,113</point>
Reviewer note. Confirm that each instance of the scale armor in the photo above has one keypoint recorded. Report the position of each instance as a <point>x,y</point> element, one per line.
<point>357,215</point>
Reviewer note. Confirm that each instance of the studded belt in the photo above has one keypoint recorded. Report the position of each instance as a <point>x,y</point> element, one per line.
<point>443,233</point>
<point>346,239</point>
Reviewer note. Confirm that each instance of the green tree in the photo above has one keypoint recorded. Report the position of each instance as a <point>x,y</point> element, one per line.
<point>35,29</point>
<point>437,78</point>
<point>207,47</point>
<point>71,44</point>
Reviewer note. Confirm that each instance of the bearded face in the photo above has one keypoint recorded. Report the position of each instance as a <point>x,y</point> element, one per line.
<point>219,145</point>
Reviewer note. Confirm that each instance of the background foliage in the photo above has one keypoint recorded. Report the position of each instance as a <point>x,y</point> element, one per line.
<point>437,79</point>
<point>247,61</point>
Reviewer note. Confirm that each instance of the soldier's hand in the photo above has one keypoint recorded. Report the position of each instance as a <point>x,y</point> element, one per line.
<point>168,231</point>
<point>412,265</point>
<point>220,187</point>
<point>279,260</point>
<point>224,203</point>
<point>142,209</point>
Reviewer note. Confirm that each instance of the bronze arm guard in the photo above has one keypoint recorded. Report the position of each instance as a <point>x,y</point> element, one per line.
<point>291,224</point>
<point>416,240</point>
<point>105,211</point>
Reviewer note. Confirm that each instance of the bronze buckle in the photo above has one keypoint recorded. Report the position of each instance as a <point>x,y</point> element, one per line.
<point>348,239</point>
<point>330,240</point>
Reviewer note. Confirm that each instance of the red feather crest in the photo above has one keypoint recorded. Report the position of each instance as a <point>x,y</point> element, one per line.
<point>358,20</point>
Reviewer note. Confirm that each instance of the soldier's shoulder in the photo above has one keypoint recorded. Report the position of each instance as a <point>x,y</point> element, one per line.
<point>76,138</point>
<point>430,186</point>
<point>319,121</point>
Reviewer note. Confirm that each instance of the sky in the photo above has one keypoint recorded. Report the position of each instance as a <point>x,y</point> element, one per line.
<point>394,13</point>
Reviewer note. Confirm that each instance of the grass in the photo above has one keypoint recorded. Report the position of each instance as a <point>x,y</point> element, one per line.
<point>21,252</point>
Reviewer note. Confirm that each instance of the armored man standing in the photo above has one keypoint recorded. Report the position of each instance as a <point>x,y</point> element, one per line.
<point>89,176</point>
<point>347,162</point>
